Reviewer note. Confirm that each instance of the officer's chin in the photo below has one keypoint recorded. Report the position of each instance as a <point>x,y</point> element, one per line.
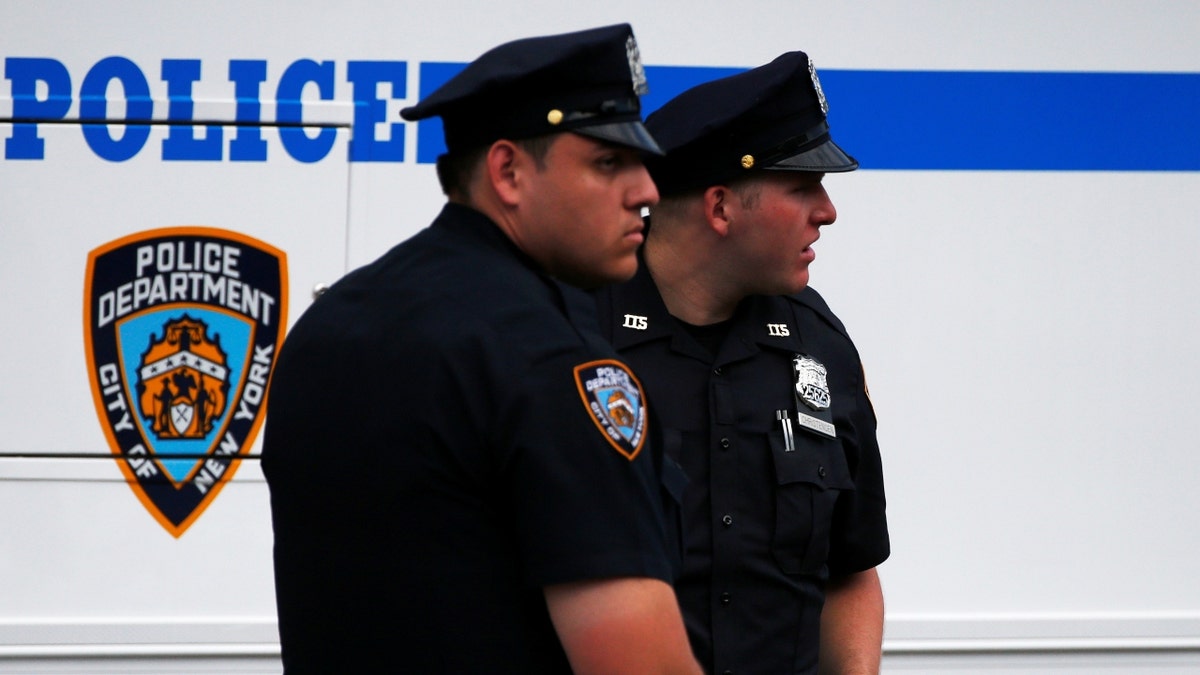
<point>590,280</point>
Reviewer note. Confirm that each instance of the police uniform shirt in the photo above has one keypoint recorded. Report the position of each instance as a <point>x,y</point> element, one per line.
<point>433,463</point>
<point>765,527</point>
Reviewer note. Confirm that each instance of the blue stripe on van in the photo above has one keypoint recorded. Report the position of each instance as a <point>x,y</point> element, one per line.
<point>972,120</point>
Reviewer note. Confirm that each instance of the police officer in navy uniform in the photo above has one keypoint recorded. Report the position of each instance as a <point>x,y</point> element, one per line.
<point>759,388</point>
<point>460,468</point>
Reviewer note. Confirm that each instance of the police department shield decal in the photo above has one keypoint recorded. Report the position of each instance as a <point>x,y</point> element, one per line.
<point>614,398</point>
<point>181,329</point>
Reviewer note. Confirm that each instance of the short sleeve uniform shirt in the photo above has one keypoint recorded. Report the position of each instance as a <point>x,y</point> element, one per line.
<point>446,435</point>
<point>767,520</point>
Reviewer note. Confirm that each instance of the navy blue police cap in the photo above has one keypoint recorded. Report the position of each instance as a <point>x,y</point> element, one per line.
<point>587,82</point>
<point>771,117</point>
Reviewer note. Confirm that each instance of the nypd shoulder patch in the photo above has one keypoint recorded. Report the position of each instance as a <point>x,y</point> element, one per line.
<point>614,398</point>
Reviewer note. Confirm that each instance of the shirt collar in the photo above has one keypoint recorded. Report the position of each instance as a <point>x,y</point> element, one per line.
<point>640,316</point>
<point>464,221</point>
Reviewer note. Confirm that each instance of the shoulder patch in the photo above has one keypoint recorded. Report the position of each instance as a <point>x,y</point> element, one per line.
<point>614,398</point>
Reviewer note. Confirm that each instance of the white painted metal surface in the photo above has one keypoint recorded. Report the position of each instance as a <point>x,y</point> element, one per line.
<point>1029,336</point>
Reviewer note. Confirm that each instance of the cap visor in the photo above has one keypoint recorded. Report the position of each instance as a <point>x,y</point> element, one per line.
<point>826,157</point>
<point>631,134</point>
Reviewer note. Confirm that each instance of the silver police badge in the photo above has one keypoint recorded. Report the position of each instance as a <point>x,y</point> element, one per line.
<point>811,385</point>
<point>812,70</point>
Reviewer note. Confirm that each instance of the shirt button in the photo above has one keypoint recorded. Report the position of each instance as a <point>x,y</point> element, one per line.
<point>717,370</point>
<point>727,519</point>
<point>725,443</point>
<point>821,471</point>
<point>726,599</point>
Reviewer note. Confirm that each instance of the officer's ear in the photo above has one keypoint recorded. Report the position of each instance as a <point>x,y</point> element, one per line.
<point>500,167</point>
<point>717,202</point>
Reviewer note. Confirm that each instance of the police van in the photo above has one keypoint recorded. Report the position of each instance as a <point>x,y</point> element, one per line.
<point>1015,259</point>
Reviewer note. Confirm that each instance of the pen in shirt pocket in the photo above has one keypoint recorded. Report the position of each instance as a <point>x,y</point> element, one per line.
<point>785,422</point>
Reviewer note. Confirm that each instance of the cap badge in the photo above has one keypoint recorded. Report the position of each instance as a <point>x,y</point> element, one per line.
<point>636,71</point>
<point>747,161</point>
<point>554,117</point>
<point>812,70</point>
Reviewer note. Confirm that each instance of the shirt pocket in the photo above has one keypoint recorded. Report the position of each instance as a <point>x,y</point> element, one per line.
<point>808,482</point>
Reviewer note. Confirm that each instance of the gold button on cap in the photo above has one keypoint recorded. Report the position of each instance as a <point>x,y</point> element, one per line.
<point>747,161</point>
<point>554,116</point>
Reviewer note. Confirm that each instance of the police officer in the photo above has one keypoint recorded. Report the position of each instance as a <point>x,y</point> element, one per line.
<point>460,474</point>
<point>757,383</point>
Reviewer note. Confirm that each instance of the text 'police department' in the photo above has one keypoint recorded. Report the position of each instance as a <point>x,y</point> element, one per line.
<point>186,272</point>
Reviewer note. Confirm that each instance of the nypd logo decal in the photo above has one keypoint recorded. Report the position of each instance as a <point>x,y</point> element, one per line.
<point>181,327</point>
<point>616,402</point>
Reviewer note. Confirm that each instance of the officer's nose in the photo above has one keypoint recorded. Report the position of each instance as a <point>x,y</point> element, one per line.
<point>644,192</point>
<point>825,212</point>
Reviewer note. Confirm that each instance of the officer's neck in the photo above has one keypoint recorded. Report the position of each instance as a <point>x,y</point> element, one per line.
<point>684,275</point>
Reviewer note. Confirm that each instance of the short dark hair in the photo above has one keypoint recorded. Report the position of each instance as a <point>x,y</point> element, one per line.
<point>456,169</point>
<point>748,190</point>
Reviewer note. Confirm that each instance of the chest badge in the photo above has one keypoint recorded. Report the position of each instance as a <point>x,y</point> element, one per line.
<point>613,397</point>
<point>812,389</point>
<point>811,385</point>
